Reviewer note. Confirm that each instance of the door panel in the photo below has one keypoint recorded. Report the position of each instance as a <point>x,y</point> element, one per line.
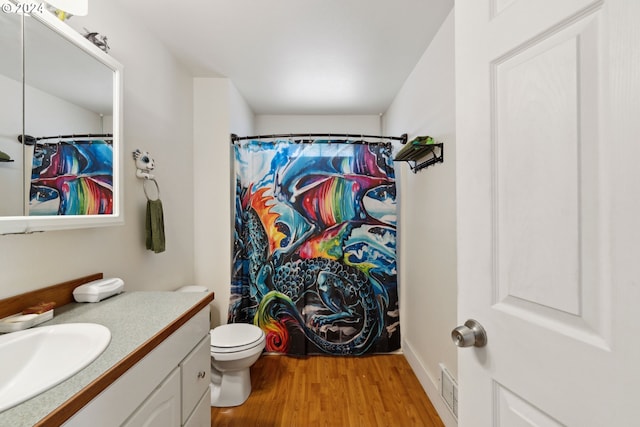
<point>536,150</point>
<point>547,231</point>
<point>513,411</point>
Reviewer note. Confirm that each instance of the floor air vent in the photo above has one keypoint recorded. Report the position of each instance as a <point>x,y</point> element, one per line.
<point>449,390</point>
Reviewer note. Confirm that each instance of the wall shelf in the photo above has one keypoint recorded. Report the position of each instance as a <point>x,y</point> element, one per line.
<point>422,147</point>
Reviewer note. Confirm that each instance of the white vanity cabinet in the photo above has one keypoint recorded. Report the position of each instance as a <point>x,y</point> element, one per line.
<point>168,387</point>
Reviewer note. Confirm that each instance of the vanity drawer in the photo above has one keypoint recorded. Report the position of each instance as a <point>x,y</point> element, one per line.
<point>196,376</point>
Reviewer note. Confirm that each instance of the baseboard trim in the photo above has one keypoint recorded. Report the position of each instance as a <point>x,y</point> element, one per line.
<point>429,385</point>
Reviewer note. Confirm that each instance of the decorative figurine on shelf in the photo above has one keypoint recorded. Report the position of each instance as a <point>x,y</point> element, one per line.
<point>97,39</point>
<point>144,163</point>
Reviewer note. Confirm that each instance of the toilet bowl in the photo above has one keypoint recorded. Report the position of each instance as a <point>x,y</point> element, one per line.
<point>235,347</point>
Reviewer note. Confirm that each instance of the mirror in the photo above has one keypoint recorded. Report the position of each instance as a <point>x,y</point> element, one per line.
<point>11,170</point>
<point>62,97</point>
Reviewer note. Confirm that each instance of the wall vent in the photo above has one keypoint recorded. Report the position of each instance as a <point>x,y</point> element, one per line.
<point>449,390</point>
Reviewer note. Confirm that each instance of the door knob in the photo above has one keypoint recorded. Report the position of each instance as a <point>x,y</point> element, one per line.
<point>470,334</point>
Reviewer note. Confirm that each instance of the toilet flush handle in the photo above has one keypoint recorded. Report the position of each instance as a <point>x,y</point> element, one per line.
<point>202,374</point>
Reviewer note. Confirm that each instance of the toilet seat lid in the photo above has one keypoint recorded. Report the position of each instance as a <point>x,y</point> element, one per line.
<point>233,336</point>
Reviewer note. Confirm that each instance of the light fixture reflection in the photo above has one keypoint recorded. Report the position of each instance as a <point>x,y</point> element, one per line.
<point>73,7</point>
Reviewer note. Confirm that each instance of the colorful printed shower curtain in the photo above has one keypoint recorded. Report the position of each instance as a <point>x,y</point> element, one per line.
<point>314,257</point>
<point>72,178</point>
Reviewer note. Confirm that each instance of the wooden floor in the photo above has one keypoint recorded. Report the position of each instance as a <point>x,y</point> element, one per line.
<point>331,392</point>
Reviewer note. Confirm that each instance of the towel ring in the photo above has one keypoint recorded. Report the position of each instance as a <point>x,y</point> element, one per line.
<point>144,187</point>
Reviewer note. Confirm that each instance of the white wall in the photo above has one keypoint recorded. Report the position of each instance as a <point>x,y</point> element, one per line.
<point>158,114</point>
<point>276,124</point>
<point>242,120</point>
<point>428,293</point>
<point>219,111</point>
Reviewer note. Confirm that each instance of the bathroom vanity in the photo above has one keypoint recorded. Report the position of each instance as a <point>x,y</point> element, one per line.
<point>155,371</point>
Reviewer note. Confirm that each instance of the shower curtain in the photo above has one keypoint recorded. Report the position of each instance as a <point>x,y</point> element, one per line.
<point>72,178</point>
<point>314,256</point>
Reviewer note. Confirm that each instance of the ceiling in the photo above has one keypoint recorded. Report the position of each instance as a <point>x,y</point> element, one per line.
<point>299,56</point>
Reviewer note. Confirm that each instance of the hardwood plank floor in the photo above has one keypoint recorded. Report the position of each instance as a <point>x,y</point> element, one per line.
<point>330,391</point>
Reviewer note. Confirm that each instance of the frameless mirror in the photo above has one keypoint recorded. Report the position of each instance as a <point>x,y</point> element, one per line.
<point>64,105</point>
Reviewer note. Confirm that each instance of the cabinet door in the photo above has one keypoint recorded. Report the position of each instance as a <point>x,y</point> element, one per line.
<point>201,416</point>
<point>162,408</point>
<point>196,376</point>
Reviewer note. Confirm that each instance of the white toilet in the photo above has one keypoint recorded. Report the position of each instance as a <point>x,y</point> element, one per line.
<point>235,347</point>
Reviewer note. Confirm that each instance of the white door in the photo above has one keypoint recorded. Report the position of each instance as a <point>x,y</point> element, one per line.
<point>548,190</point>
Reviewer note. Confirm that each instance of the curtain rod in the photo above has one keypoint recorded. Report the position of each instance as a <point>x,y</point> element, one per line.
<point>235,138</point>
<point>30,140</point>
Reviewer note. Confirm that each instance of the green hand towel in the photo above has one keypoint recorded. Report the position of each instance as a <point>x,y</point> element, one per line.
<point>155,226</point>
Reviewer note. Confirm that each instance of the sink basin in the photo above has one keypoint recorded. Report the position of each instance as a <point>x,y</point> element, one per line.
<point>34,360</point>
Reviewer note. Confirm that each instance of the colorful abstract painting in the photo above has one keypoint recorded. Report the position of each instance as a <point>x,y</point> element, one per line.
<point>314,257</point>
<point>72,178</point>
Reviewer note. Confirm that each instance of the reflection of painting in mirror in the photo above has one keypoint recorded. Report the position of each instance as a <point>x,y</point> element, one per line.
<point>72,178</point>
